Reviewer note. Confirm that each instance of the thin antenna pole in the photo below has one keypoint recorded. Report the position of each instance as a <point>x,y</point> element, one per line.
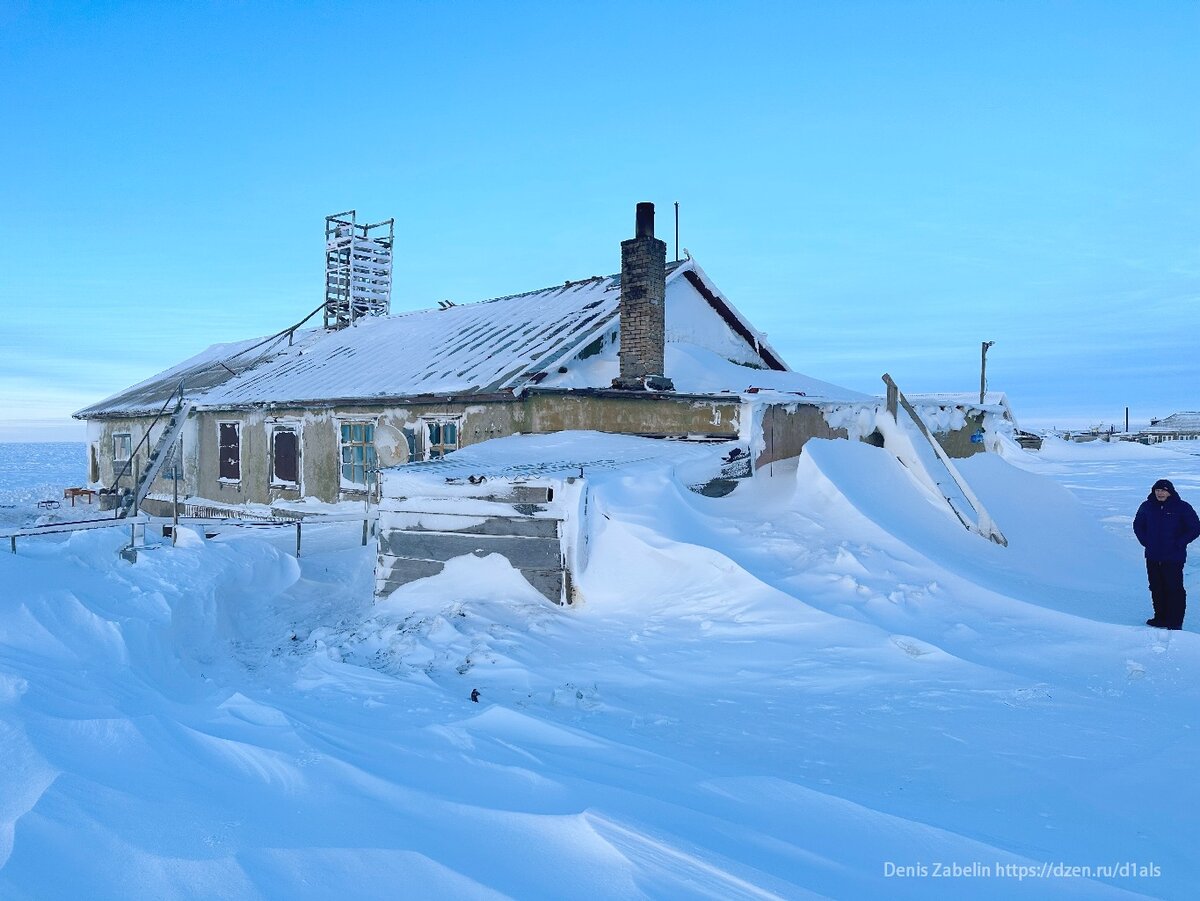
<point>983,370</point>
<point>676,231</point>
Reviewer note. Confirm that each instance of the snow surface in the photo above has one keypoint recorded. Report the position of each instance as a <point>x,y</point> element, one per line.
<point>779,693</point>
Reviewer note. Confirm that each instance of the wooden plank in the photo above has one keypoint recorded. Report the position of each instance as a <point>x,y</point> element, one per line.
<point>517,494</point>
<point>525,526</point>
<point>534,553</point>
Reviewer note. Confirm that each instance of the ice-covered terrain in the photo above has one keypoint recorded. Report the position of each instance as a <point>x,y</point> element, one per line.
<point>34,472</point>
<point>818,685</point>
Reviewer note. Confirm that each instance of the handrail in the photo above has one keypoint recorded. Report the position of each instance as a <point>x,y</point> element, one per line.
<point>146,437</point>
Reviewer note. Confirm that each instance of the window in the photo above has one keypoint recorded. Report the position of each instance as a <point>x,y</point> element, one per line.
<point>122,446</point>
<point>358,453</point>
<point>285,456</point>
<point>442,437</point>
<point>230,451</point>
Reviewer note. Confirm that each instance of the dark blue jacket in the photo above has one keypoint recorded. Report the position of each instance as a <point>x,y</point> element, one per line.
<point>1166,529</point>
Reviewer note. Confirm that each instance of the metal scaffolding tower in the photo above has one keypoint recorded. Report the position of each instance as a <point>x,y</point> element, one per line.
<point>358,269</point>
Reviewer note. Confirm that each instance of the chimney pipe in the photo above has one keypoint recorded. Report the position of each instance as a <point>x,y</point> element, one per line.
<point>644,227</point>
<point>643,310</point>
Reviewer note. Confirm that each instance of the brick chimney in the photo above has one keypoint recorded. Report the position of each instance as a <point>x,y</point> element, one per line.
<point>643,312</point>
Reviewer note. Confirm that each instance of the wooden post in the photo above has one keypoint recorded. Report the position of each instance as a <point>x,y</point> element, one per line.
<point>893,397</point>
<point>14,543</point>
<point>297,538</point>
<point>366,526</point>
<point>983,370</point>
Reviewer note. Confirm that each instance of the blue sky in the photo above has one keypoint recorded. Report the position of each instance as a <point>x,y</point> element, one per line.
<point>878,186</point>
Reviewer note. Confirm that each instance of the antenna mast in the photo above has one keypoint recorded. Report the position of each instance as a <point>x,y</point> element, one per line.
<point>676,231</point>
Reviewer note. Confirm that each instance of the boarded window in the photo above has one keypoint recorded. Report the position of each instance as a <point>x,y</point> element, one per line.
<point>442,435</point>
<point>122,446</point>
<point>358,453</point>
<point>285,456</point>
<point>230,452</point>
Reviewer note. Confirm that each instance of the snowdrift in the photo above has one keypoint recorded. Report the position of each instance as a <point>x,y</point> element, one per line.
<point>817,685</point>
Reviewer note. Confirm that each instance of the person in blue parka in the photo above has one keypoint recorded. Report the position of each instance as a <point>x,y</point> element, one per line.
<point>1165,525</point>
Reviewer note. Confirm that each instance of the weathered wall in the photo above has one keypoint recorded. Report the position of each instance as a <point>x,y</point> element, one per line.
<point>320,459</point>
<point>625,414</point>
<point>957,443</point>
<point>101,449</point>
<point>786,429</point>
<point>320,448</point>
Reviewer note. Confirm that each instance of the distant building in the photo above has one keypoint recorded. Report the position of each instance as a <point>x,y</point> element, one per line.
<point>1176,427</point>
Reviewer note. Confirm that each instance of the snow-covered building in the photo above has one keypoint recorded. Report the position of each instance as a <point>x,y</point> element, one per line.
<point>1176,427</point>
<point>961,420</point>
<point>656,351</point>
<point>315,412</point>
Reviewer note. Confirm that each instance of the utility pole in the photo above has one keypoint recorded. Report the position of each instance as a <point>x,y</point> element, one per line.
<point>983,370</point>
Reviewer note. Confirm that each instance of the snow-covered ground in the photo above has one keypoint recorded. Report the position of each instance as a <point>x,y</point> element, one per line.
<point>34,472</point>
<point>819,685</point>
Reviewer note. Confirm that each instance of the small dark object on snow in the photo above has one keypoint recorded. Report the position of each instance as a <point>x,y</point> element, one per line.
<point>475,695</point>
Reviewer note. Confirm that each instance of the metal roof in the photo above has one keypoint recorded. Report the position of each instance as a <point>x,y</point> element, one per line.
<point>483,348</point>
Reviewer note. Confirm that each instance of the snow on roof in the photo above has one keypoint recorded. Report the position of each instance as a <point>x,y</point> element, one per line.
<point>1183,422</point>
<point>494,346</point>
<point>959,398</point>
<point>696,369</point>
<point>553,457</point>
<point>208,369</point>
<point>965,399</point>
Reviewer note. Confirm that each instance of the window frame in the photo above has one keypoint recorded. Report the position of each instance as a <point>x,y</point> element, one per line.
<point>437,449</point>
<point>369,462</point>
<point>274,429</point>
<point>128,436</point>
<point>237,426</point>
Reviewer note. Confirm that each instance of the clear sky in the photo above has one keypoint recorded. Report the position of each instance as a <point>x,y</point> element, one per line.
<point>878,186</point>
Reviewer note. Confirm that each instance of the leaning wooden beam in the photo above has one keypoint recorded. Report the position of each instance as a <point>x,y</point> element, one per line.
<point>986,527</point>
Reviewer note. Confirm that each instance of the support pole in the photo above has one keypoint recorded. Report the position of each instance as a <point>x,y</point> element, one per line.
<point>14,543</point>
<point>676,231</point>
<point>297,538</point>
<point>366,527</point>
<point>983,370</point>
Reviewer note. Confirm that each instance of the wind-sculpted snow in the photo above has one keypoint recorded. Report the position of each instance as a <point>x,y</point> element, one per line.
<point>780,693</point>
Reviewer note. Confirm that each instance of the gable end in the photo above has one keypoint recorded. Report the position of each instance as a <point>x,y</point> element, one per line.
<point>733,322</point>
